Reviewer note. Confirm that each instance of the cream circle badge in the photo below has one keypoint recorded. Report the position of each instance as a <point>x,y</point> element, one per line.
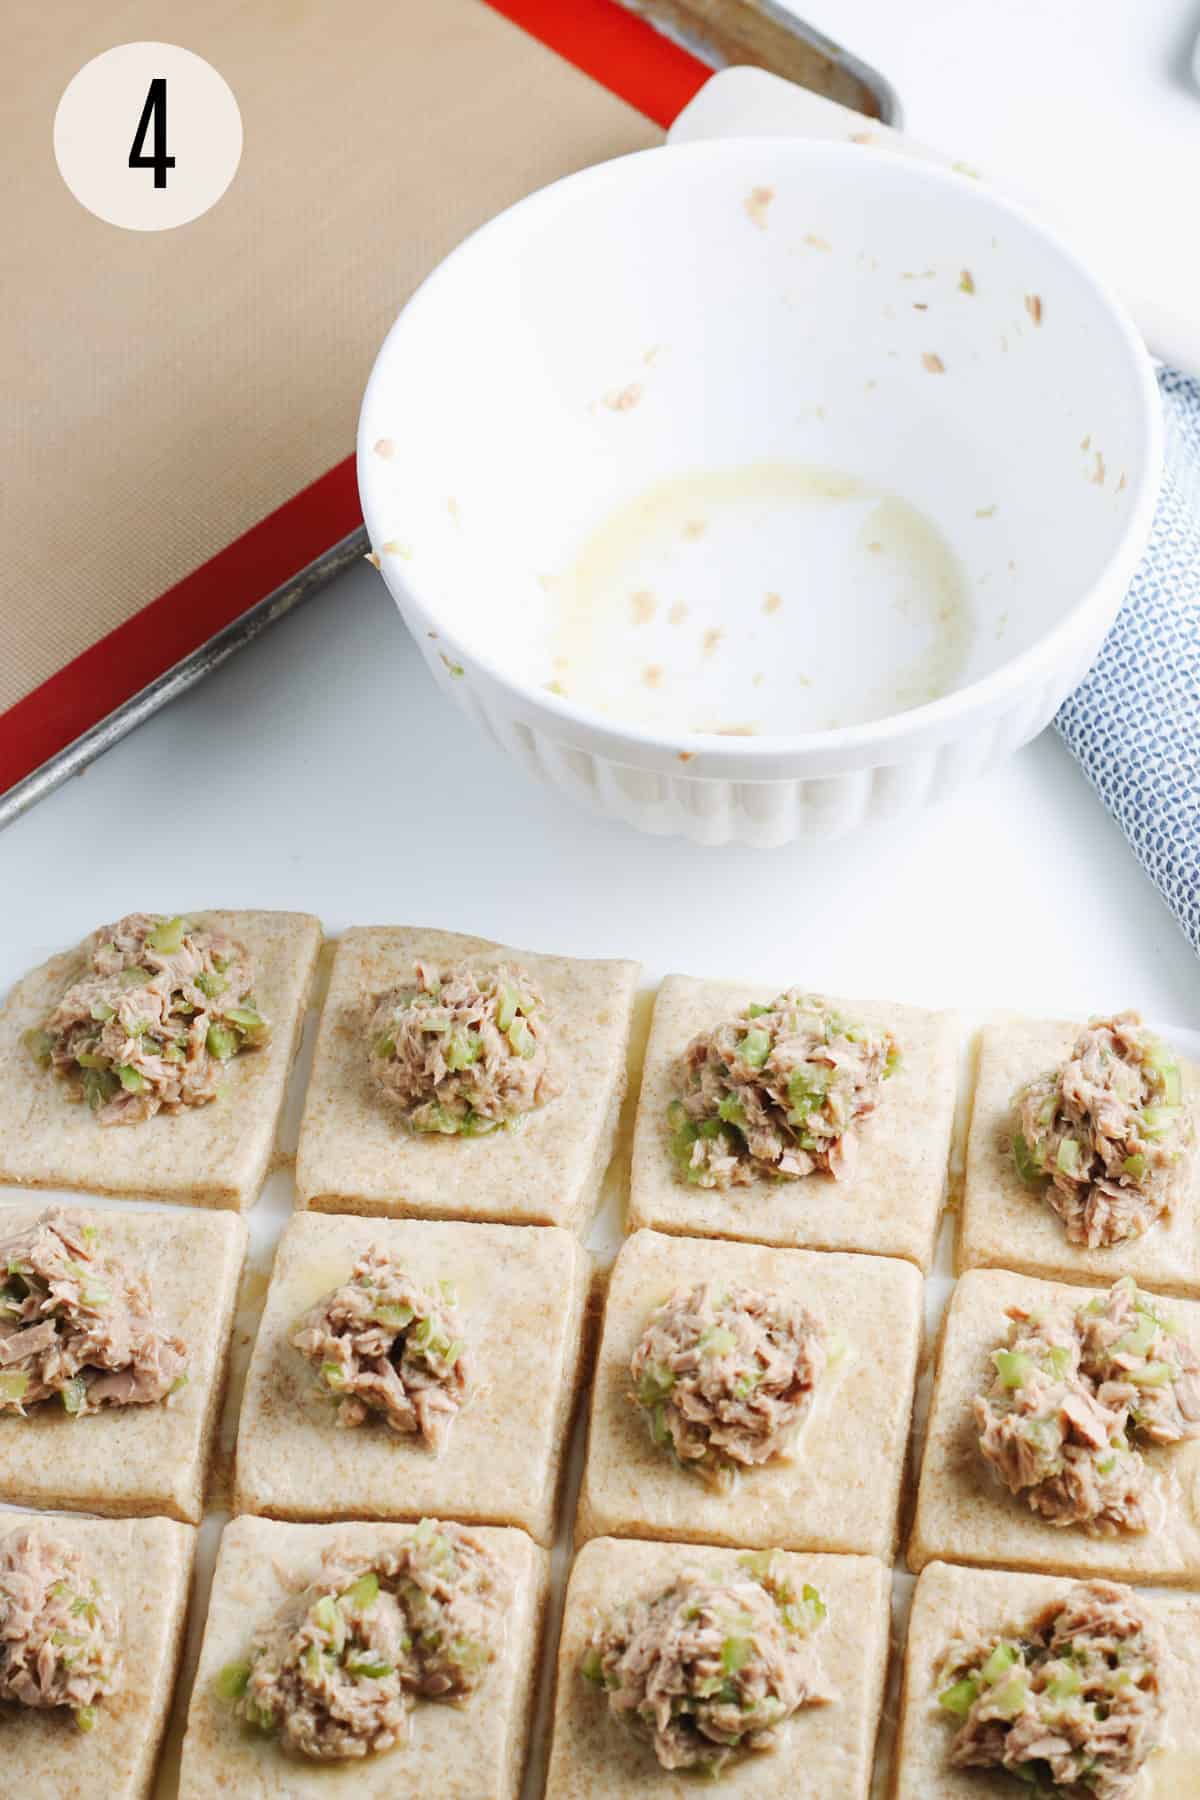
<point>148,136</point>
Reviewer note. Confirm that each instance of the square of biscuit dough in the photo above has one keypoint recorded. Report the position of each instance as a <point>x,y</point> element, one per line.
<point>892,1201</point>
<point>144,1566</point>
<point>1005,1221</point>
<point>137,1459</point>
<point>356,1154</point>
<point>965,1514</point>
<point>822,1752</point>
<point>976,1604</point>
<point>214,1155</point>
<point>473,1751</point>
<point>521,1297</point>
<point>839,1489</point>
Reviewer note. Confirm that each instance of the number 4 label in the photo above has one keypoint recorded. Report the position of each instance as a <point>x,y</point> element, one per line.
<point>154,114</point>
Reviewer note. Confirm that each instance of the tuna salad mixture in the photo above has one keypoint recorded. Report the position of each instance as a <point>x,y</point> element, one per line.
<point>79,1326</point>
<point>1070,1391</point>
<point>163,1005</point>
<point>58,1629</point>
<point>1071,1704</point>
<point>1103,1134</point>
<point>726,1376</point>
<point>337,1673</point>
<point>464,1051</point>
<point>777,1091</point>
<point>711,1665</point>
<point>384,1346</point>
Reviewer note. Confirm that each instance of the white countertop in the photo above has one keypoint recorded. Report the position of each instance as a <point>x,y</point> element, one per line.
<point>321,769</point>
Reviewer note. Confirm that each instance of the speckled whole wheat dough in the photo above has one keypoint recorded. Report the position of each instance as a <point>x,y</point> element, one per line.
<point>964,1514</point>
<point>823,1753</point>
<point>470,1752</point>
<point>215,1155</point>
<point>840,1489</point>
<point>356,1154</point>
<point>145,1565</point>
<point>1005,1221</point>
<point>521,1297</point>
<point>974,1603</point>
<point>892,1202</point>
<point>138,1459</point>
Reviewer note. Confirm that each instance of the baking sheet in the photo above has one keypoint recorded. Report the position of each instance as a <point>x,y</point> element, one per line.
<point>266,1223</point>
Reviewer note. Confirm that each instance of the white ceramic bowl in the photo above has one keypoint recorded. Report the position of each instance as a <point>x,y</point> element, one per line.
<point>758,488</point>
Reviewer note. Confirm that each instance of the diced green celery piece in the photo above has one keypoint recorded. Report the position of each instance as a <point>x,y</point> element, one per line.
<point>247,1019</point>
<point>91,1059</point>
<point>101,1010</point>
<point>1066,1685</point>
<point>333,1374</point>
<point>1027,1168</point>
<point>369,1667</point>
<point>211,984</point>
<point>313,1662</point>
<point>1009,1699</point>
<point>327,1617</point>
<point>221,1042</point>
<point>179,1383</point>
<point>168,936</point>
<point>476,1125</point>
<point>455,1350</point>
<point>362,1594</point>
<point>813,1601</point>
<point>462,1049</point>
<point>434,1117</point>
<point>1069,1158</point>
<point>233,1680</point>
<point>755,1047</point>
<point>736,1653</point>
<point>894,1061</point>
<point>384,1045</point>
<point>1159,1121</point>
<point>1138,1341</point>
<point>394,1317</point>
<point>74,1393</point>
<point>1012,1366</point>
<point>1105,1465</point>
<point>655,1384</point>
<point>960,1696</point>
<point>758,1563</point>
<point>506,1005</point>
<point>731,1110</point>
<point>592,1667</point>
<point>1172,1085</point>
<point>717,1340</point>
<point>40,1046</point>
<point>658,1424</point>
<point>521,1038</point>
<point>94,1293</point>
<point>448,1292</point>
<point>132,1080</point>
<point>86,1718</point>
<point>755,1010</point>
<point>710,1129</point>
<point>1135,1166</point>
<point>1058,1361</point>
<point>998,1664</point>
<point>1155,1374</point>
<point>13,1387</point>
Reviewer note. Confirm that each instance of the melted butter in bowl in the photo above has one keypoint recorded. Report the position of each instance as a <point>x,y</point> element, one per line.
<point>776,597</point>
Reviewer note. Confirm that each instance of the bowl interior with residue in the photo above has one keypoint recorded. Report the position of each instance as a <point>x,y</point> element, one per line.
<point>757,439</point>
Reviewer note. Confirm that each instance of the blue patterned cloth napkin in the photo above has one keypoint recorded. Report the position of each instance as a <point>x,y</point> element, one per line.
<point>1134,724</point>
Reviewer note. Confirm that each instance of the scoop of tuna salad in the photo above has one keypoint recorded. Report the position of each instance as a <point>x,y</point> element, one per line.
<point>1071,1704</point>
<point>777,1091</point>
<point>1103,1134</point>
<point>163,1005</point>
<point>1067,1393</point>
<point>464,1051</point>
<point>711,1665</point>
<point>335,1675</point>
<point>58,1629</point>
<point>726,1376</point>
<point>79,1326</point>
<point>382,1345</point>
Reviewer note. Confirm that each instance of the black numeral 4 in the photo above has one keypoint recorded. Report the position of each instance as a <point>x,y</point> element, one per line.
<point>154,113</point>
